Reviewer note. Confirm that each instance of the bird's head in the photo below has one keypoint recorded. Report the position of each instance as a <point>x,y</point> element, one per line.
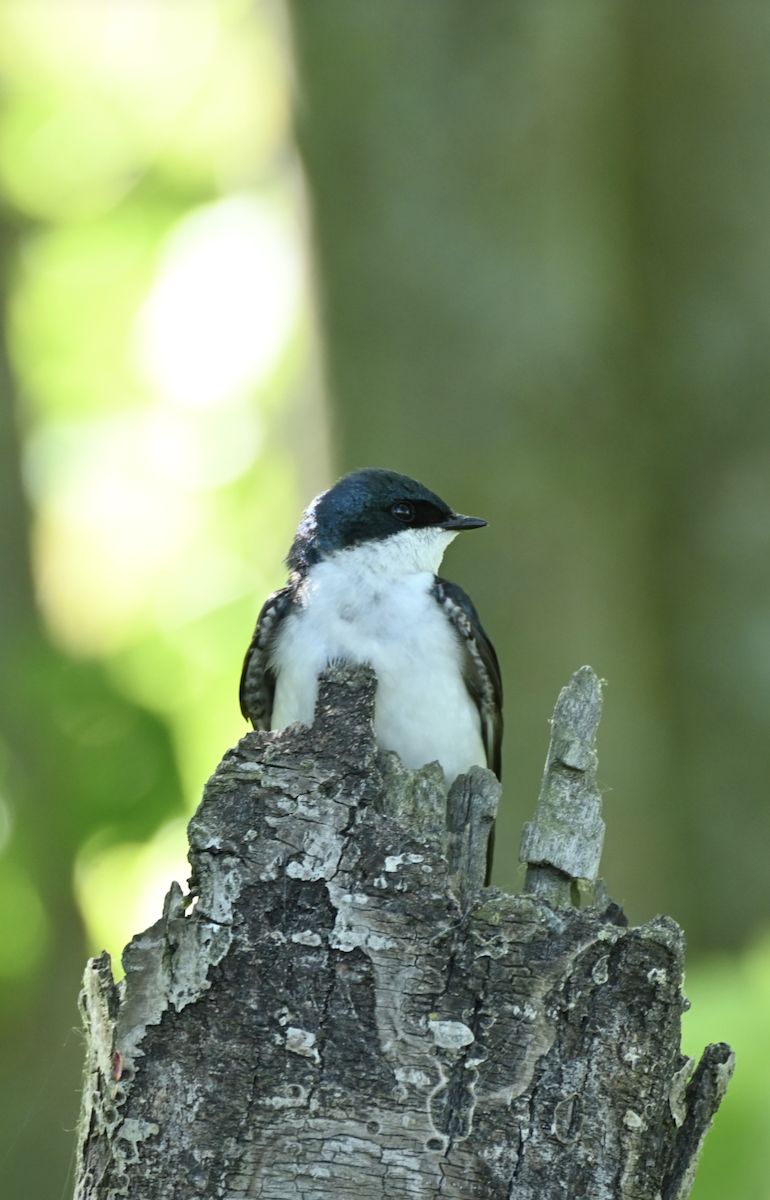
<point>396,516</point>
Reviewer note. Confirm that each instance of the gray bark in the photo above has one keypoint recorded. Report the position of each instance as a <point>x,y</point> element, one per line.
<point>340,1007</point>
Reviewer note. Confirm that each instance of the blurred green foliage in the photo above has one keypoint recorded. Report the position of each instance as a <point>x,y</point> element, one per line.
<point>730,997</point>
<point>156,337</point>
<point>24,931</point>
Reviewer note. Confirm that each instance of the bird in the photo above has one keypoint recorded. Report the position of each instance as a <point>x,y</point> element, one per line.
<point>363,587</point>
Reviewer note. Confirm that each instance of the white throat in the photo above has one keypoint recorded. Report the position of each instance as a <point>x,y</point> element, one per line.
<point>408,552</point>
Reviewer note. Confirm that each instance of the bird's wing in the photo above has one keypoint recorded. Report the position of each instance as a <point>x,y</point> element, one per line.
<point>481,670</point>
<point>258,677</point>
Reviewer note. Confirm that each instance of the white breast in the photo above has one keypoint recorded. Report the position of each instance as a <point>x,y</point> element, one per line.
<point>372,604</point>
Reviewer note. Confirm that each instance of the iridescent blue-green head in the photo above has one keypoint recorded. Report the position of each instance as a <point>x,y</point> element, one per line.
<point>371,506</point>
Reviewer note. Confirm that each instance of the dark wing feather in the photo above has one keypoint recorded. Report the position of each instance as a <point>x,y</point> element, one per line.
<point>481,670</point>
<point>258,678</point>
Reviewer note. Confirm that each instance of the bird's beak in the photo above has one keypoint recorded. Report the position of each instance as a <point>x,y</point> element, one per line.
<point>458,522</point>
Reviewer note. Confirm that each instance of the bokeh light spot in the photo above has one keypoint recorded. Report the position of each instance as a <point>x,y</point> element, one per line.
<point>225,302</point>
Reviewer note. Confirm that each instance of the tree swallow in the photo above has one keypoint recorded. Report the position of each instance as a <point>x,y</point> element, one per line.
<point>363,588</point>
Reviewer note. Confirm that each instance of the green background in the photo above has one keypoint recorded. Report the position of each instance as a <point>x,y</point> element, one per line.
<point>520,251</point>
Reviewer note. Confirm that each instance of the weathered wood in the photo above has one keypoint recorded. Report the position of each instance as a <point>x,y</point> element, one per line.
<point>563,844</point>
<point>340,1008</point>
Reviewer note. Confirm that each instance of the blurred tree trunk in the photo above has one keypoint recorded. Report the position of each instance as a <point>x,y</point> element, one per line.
<point>541,235</point>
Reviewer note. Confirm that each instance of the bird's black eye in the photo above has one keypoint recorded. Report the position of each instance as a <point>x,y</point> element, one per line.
<point>403,511</point>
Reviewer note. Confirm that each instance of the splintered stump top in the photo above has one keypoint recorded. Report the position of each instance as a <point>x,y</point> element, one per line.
<point>340,1008</point>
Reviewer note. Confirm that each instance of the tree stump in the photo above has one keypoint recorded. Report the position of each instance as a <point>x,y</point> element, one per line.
<point>340,1008</point>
